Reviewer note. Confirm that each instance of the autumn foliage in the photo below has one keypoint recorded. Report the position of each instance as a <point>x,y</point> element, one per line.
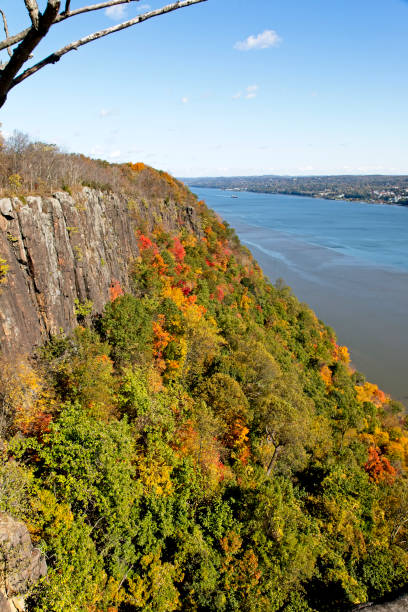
<point>378,467</point>
<point>115,290</point>
<point>204,443</point>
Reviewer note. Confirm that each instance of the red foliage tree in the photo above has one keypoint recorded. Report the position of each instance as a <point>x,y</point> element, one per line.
<point>378,467</point>
<point>115,290</point>
<point>178,250</point>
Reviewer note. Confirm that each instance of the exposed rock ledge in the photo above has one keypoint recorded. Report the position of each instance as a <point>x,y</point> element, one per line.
<point>61,248</point>
<point>399,605</point>
<point>21,565</point>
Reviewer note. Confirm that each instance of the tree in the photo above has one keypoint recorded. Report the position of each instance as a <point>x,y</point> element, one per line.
<point>12,72</point>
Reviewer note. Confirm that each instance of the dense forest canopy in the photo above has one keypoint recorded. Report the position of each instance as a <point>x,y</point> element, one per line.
<point>205,443</point>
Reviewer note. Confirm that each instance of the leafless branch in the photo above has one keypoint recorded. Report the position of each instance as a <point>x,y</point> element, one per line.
<point>397,529</point>
<point>32,8</point>
<point>5,29</point>
<point>67,14</point>
<point>92,7</point>
<point>24,50</point>
<point>13,40</point>
<point>55,57</point>
<point>31,37</point>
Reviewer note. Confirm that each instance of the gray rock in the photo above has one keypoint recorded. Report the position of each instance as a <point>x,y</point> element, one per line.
<point>399,605</point>
<point>6,208</point>
<point>21,565</point>
<point>61,248</point>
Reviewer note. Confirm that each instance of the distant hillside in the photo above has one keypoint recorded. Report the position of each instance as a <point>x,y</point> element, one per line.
<point>376,188</point>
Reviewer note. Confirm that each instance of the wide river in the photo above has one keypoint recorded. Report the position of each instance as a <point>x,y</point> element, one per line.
<point>347,260</point>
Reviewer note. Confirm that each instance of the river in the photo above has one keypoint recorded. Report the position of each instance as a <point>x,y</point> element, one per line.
<point>347,260</point>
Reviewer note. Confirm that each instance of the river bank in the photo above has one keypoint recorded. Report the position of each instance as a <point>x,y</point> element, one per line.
<point>319,197</point>
<point>350,266</point>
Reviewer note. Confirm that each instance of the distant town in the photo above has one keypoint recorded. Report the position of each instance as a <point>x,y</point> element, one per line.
<point>377,189</point>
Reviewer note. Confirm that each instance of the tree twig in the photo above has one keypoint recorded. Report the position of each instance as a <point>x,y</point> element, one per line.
<point>92,7</point>
<point>6,30</point>
<point>12,40</point>
<point>55,57</point>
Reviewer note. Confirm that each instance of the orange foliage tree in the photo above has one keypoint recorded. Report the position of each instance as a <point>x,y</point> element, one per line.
<point>378,467</point>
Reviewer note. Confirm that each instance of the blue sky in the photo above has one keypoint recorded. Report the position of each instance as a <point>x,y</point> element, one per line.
<point>228,87</point>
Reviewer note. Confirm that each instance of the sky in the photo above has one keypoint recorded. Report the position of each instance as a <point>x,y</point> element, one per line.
<point>227,87</point>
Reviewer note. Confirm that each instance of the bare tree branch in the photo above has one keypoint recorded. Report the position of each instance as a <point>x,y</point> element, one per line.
<point>31,37</point>
<point>277,449</point>
<point>55,57</point>
<point>24,50</point>
<point>91,7</point>
<point>5,29</point>
<point>13,40</point>
<point>32,8</point>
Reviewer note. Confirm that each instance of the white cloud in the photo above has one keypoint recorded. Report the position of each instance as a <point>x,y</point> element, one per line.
<point>105,112</point>
<point>116,12</point>
<point>268,38</point>
<point>184,100</point>
<point>251,92</point>
<point>114,154</point>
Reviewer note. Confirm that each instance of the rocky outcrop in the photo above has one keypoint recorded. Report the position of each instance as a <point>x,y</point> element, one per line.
<point>62,248</point>
<point>21,565</point>
<point>399,605</point>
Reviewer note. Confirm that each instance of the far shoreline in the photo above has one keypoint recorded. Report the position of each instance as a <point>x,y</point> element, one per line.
<point>300,195</point>
<point>315,197</point>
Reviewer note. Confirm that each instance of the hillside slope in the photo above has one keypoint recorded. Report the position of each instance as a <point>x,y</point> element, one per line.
<point>198,441</point>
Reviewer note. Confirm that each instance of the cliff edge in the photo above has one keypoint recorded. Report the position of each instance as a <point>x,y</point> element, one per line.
<point>63,248</point>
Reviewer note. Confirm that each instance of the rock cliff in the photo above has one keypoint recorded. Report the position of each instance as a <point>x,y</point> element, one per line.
<point>399,605</point>
<point>21,565</point>
<point>62,248</point>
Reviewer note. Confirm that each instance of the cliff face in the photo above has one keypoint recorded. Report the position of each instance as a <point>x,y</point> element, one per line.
<point>63,248</point>
<point>399,605</point>
<point>21,565</point>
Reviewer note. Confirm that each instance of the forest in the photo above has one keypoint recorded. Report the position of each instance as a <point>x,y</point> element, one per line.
<point>202,444</point>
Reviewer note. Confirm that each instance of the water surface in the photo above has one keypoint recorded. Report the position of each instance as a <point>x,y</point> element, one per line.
<point>347,260</point>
